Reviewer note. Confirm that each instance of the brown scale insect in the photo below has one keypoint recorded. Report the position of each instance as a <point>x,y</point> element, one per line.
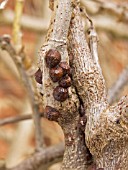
<point>51,113</point>
<point>52,58</point>
<point>65,66</point>
<point>38,76</point>
<point>65,81</point>
<point>60,94</point>
<point>56,73</point>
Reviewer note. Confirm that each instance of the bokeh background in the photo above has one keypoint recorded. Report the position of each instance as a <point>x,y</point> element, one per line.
<point>17,141</point>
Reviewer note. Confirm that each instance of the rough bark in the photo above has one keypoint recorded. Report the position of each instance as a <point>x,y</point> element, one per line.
<point>75,149</point>
<point>96,134</point>
<point>106,130</point>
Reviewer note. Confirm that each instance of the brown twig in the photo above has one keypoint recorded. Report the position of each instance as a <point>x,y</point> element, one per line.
<point>17,40</point>
<point>43,158</point>
<point>16,119</point>
<point>17,58</point>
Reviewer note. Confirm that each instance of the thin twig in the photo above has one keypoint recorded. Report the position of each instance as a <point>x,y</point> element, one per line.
<point>42,158</point>
<point>38,129</point>
<point>17,38</point>
<point>16,119</point>
<point>18,61</point>
<point>17,35</point>
<point>118,85</point>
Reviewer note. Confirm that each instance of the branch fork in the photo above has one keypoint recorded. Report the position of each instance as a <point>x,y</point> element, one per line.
<point>104,123</point>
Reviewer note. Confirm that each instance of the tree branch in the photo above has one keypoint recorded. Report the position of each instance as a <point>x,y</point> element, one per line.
<point>67,110</point>
<point>17,58</point>
<point>17,35</point>
<point>15,119</point>
<point>107,126</point>
<point>85,66</point>
<point>46,156</point>
<point>102,131</point>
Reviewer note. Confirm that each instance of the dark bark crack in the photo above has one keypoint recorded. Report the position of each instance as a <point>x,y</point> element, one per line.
<point>81,126</point>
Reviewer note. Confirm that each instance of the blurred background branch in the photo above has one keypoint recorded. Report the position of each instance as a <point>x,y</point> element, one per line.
<point>112,8</point>
<point>113,13</point>
<point>3,4</point>
<point>118,86</point>
<point>17,34</point>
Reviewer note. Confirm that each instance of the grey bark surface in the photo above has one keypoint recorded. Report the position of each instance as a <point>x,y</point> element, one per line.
<point>105,135</point>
